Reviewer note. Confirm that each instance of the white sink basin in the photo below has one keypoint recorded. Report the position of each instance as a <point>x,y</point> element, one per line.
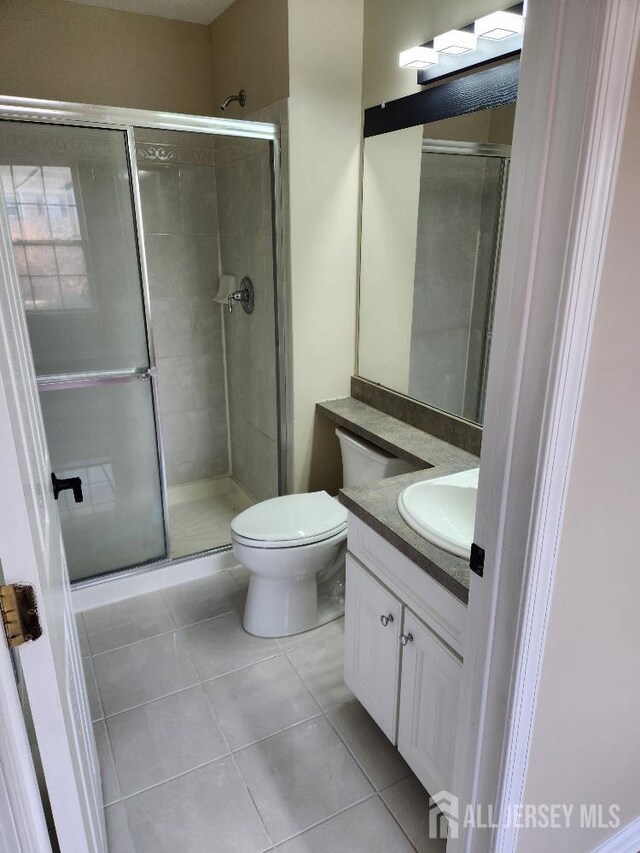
<point>443,510</point>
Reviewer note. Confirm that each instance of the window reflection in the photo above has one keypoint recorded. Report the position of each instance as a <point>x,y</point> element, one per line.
<point>47,240</point>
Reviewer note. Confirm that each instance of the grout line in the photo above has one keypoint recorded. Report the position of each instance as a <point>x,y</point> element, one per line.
<point>238,771</point>
<point>173,630</point>
<point>149,701</point>
<point>302,681</point>
<point>329,817</point>
<point>134,643</point>
<point>308,641</point>
<point>309,688</point>
<point>113,761</point>
<point>240,668</point>
<point>357,760</point>
<point>232,609</point>
<point>123,799</point>
<point>398,824</point>
<point>352,754</point>
<point>89,661</point>
<point>279,732</point>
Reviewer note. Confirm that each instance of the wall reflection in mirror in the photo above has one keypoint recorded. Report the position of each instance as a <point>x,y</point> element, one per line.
<point>433,198</point>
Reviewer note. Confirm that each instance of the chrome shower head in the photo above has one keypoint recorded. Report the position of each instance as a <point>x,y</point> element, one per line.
<point>241,98</point>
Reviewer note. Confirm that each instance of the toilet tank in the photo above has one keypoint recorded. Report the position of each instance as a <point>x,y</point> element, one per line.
<point>362,462</point>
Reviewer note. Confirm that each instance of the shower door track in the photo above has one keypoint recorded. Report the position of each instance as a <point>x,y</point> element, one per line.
<point>126,120</point>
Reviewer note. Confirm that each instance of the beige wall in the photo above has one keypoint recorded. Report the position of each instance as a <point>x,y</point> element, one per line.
<point>495,125</point>
<point>325,77</point>
<point>390,198</point>
<point>390,27</point>
<point>585,742</point>
<point>62,51</point>
<point>249,50</point>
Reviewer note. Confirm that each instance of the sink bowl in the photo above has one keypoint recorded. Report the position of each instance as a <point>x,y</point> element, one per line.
<point>443,510</point>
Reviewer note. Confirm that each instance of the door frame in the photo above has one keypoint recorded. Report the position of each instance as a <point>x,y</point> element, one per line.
<point>23,826</point>
<point>577,63</point>
<point>127,120</point>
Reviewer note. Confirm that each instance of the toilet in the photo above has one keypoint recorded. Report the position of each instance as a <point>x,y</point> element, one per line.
<point>294,547</point>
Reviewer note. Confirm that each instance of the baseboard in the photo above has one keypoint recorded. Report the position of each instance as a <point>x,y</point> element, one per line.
<point>626,840</point>
<point>149,579</point>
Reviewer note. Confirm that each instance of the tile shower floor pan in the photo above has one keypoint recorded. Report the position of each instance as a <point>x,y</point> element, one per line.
<point>200,514</point>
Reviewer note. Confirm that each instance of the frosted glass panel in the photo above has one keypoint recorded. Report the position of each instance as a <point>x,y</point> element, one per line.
<point>106,436</point>
<point>68,199</point>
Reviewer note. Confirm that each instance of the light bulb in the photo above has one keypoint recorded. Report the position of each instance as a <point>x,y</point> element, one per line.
<point>455,42</point>
<point>499,25</point>
<point>418,57</point>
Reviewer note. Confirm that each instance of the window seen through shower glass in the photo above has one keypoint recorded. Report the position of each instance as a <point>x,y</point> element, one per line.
<point>67,197</point>
<point>47,241</point>
<point>68,200</point>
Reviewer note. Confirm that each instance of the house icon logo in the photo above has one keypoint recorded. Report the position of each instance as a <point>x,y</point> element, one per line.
<point>443,815</point>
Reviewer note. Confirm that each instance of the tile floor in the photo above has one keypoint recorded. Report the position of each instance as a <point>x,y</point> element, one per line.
<point>212,740</point>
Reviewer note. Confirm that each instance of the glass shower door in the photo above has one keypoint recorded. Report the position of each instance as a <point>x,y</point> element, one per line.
<point>67,192</point>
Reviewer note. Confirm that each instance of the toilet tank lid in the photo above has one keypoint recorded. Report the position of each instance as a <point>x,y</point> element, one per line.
<point>291,517</point>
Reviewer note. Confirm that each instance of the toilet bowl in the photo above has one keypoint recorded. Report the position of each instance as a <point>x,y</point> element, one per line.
<point>294,547</point>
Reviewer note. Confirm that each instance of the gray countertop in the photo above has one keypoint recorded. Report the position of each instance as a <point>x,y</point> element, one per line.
<point>397,437</point>
<point>377,503</point>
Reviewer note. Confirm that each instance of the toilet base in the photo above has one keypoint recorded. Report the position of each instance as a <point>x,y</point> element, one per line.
<point>293,589</point>
<point>278,607</point>
<point>327,609</point>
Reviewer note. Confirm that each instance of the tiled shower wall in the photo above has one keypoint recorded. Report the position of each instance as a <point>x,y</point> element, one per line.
<point>180,211</point>
<point>456,224</point>
<point>481,312</point>
<point>246,249</point>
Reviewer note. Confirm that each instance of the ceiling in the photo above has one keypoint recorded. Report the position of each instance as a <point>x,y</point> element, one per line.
<point>195,11</point>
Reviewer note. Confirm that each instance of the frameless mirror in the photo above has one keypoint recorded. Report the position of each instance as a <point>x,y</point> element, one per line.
<point>433,197</point>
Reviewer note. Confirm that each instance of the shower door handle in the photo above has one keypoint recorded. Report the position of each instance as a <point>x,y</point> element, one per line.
<point>73,483</point>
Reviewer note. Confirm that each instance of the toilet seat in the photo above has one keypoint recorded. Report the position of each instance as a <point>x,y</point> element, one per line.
<point>290,521</point>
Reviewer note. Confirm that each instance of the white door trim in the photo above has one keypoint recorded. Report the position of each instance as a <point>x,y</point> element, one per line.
<point>626,840</point>
<point>22,823</point>
<point>576,68</point>
<point>32,552</point>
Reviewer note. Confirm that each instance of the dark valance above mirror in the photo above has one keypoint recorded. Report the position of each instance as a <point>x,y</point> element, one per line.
<point>482,90</point>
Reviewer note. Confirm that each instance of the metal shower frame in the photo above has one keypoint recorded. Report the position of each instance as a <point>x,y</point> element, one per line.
<point>126,120</point>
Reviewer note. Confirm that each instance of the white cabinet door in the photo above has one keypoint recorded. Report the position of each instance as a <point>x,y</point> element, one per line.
<point>372,630</point>
<point>429,698</point>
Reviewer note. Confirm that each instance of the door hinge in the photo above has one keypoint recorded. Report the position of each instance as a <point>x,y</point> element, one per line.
<point>476,563</point>
<point>19,613</point>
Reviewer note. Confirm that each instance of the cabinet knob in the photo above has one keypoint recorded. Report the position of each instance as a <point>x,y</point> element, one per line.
<point>386,619</point>
<point>405,639</point>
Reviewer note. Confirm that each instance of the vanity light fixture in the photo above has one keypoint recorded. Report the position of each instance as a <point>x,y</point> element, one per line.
<point>455,42</point>
<point>418,57</point>
<point>498,25</point>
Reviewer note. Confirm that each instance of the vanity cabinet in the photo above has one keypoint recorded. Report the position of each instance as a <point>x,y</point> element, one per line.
<point>373,619</point>
<point>404,635</point>
<point>429,697</point>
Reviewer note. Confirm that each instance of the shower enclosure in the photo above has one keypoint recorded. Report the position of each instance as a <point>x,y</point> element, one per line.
<point>461,203</point>
<point>162,402</point>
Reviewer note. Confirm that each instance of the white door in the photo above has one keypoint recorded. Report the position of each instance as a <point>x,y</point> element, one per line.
<point>373,619</point>
<point>32,553</point>
<point>429,698</point>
